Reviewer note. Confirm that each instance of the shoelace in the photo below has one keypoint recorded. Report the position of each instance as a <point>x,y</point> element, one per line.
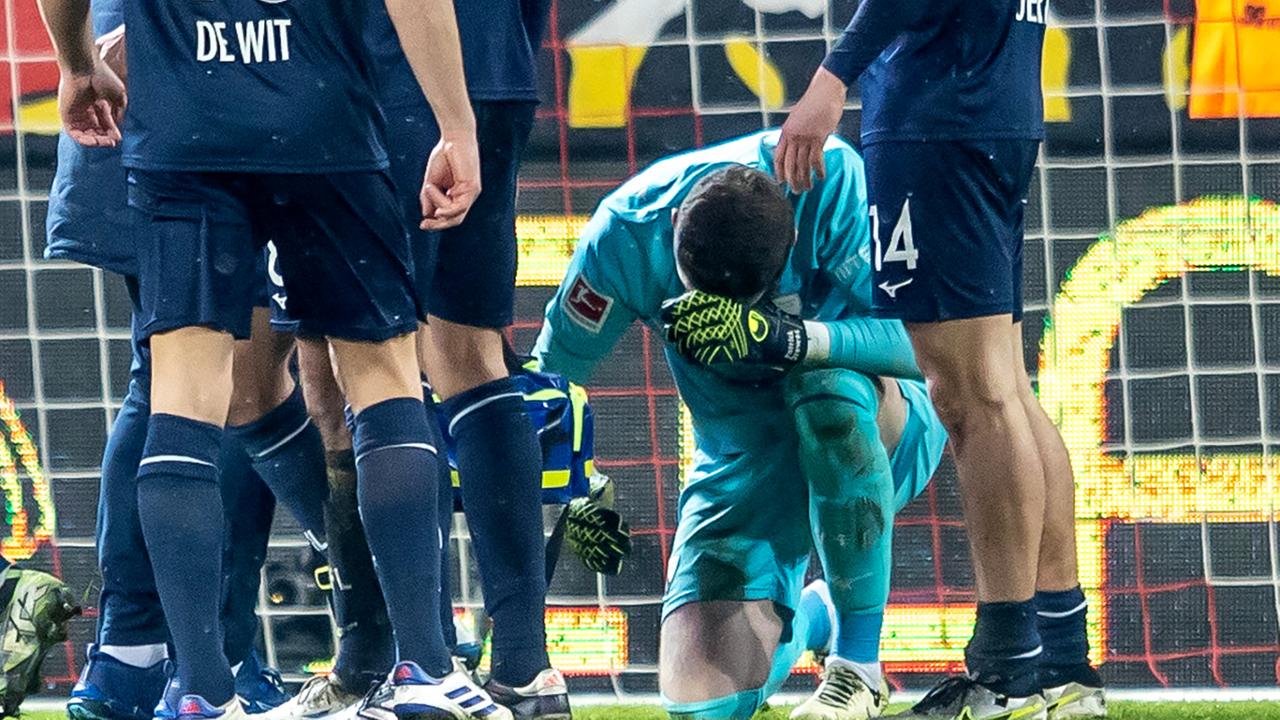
<point>319,690</point>
<point>371,695</point>
<point>839,685</point>
<point>946,692</point>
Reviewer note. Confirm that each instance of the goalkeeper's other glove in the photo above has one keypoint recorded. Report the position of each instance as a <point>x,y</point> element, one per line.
<point>712,330</point>
<point>596,533</point>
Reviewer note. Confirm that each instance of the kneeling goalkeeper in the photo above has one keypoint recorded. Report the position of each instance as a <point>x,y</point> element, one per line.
<point>811,423</point>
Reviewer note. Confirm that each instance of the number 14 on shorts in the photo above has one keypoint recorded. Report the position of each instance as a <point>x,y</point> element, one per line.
<point>901,247</point>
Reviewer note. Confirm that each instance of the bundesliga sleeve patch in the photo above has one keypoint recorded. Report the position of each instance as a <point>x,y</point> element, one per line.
<point>586,306</point>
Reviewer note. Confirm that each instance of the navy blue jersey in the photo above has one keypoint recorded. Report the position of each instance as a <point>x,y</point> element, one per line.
<point>87,219</point>
<point>959,69</point>
<point>500,39</point>
<point>251,86</point>
<point>107,15</point>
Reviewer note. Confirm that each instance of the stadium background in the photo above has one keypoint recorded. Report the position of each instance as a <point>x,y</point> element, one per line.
<point>1153,325</point>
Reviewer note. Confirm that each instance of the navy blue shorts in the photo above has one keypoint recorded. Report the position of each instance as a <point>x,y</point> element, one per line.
<point>947,225</point>
<point>344,254</point>
<point>467,274</point>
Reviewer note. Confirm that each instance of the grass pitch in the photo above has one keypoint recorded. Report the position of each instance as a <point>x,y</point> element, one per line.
<point>1119,711</point>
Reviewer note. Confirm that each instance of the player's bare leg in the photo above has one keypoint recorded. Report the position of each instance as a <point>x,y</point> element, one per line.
<point>715,658</point>
<point>260,374</point>
<point>366,651</point>
<point>459,358</point>
<point>1071,685</point>
<point>974,376</point>
<point>397,468</point>
<point>500,472</point>
<point>370,373</point>
<point>324,398</point>
<point>973,381</point>
<point>179,504</point>
<point>723,659</point>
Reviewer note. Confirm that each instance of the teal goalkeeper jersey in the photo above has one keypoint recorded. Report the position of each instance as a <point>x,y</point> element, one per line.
<point>623,269</point>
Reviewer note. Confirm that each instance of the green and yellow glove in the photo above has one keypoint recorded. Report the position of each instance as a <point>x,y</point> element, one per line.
<point>712,330</point>
<point>597,533</point>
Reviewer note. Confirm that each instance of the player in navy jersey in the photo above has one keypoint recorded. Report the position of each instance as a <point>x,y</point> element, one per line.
<point>253,120</point>
<point>466,279</point>
<point>270,433</point>
<point>951,124</point>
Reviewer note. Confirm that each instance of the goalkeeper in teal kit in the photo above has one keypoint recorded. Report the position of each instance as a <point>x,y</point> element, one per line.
<point>811,424</point>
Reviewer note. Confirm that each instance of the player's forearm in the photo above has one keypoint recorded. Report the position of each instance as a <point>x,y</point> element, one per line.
<point>868,345</point>
<point>873,27</point>
<point>72,34</point>
<point>428,31</point>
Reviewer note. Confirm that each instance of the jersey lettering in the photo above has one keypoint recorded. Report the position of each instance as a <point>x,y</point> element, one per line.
<point>258,41</point>
<point>1031,11</point>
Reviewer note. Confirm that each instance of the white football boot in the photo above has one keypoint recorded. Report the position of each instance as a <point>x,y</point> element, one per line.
<point>321,698</point>
<point>1076,701</point>
<point>843,694</point>
<point>409,693</point>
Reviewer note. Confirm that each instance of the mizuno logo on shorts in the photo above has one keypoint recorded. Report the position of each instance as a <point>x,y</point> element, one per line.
<point>892,290</point>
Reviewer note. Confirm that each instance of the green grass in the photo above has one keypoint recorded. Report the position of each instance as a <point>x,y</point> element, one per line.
<point>1119,711</point>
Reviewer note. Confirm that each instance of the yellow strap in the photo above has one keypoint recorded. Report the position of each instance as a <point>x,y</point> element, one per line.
<point>551,479</point>
<point>578,397</point>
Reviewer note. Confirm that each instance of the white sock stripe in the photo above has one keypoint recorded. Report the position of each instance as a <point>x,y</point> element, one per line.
<point>1057,615</point>
<point>139,656</point>
<point>479,404</point>
<point>315,541</point>
<point>284,441</point>
<point>175,459</point>
<point>1026,655</point>
<point>421,446</point>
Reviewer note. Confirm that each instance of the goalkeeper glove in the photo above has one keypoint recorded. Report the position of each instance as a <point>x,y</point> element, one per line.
<point>712,330</point>
<point>596,533</point>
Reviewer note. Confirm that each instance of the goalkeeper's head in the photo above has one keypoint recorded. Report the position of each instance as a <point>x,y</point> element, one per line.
<point>733,234</point>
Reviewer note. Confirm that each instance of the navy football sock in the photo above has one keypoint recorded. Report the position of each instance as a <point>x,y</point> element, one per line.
<point>285,449</point>
<point>444,505</point>
<point>129,608</point>
<point>396,466</point>
<point>1062,618</point>
<point>1004,652</point>
<point>366,650</point>
<point>500,468</point>
<point>250,508</point>
<point>181,513</point>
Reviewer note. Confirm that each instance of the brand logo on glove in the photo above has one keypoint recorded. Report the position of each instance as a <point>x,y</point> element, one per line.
<point>758,326</point>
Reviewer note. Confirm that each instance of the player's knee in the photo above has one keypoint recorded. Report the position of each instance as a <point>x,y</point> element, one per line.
<point>460,357</point>
<point>370,373</point>
<point>967,400</point>
<point>835,413</point>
